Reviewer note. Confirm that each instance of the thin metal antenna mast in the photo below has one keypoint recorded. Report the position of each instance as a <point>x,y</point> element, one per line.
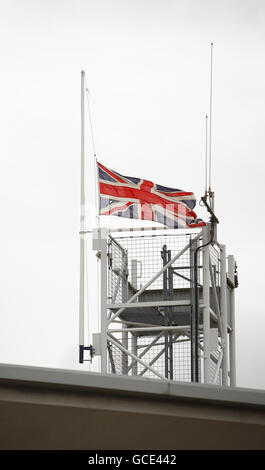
<point>206,158</point>
<point>211,194</point>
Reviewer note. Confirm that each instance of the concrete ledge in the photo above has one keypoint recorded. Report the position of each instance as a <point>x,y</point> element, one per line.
<point>60,409</point>
<point>24,375</point>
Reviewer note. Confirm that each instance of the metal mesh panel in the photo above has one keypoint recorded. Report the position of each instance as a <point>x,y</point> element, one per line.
<point>117,273</point>
<point>132,262</point>
<point>147,251</point>
<point>119,363</point>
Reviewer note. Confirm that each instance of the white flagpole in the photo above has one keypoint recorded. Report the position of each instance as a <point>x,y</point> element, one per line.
<point>82,224</point>
<point>96,179</point>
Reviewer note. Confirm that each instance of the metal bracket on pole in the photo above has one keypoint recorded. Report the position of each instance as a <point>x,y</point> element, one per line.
<point>89,348</point>
<point>214,221</point>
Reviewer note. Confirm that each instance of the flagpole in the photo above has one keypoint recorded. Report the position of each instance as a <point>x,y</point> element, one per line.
<point>96,179</point>
<point>82,224</point>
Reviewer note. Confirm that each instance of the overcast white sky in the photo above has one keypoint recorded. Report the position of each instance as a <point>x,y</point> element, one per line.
<point>147,67</point>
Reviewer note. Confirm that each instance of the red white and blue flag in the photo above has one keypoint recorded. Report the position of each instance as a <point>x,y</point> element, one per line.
<point>136,198</point>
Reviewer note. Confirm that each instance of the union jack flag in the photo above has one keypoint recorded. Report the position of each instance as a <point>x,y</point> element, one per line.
<point>136,198</point>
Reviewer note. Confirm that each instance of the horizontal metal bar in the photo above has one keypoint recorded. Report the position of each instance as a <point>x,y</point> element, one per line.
<point>151,328</point>
<point>156,303</point>
<point>140,229</point>
<point>176,341</point>
<point>185,267</point>
<point>132,323</point>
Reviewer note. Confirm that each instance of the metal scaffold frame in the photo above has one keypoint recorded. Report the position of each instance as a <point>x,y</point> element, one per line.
<point>210,332</point>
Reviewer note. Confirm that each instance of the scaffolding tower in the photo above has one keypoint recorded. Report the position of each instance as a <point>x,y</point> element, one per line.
<point>167,305</point>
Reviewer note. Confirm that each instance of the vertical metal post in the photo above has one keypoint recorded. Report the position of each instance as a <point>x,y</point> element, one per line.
<point>165,275</point>
<point>168,295</point>
<point>82,224</point>
<point>171,295</point>
<point>224,315</point>
<point>124,287</point>
<point>232,335</point>
<point>206,304</point>
<point>135,352</point>
<point>192,316</point>
<point>194,312</point>
<point>103,304</point>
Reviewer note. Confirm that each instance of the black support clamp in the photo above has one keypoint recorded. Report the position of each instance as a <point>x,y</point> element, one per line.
<point>83,348</point>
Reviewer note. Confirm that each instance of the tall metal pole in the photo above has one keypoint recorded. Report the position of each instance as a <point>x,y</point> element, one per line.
<point>135,352</point>
<point>206,304</point>
<point>195,314</point>
<point>97,195</point>
<point>82,222</point>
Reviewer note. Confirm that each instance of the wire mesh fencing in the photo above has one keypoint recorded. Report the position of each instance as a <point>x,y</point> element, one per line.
<point>158,355</point>
<point>135,260</point>
<point>117,272</point>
